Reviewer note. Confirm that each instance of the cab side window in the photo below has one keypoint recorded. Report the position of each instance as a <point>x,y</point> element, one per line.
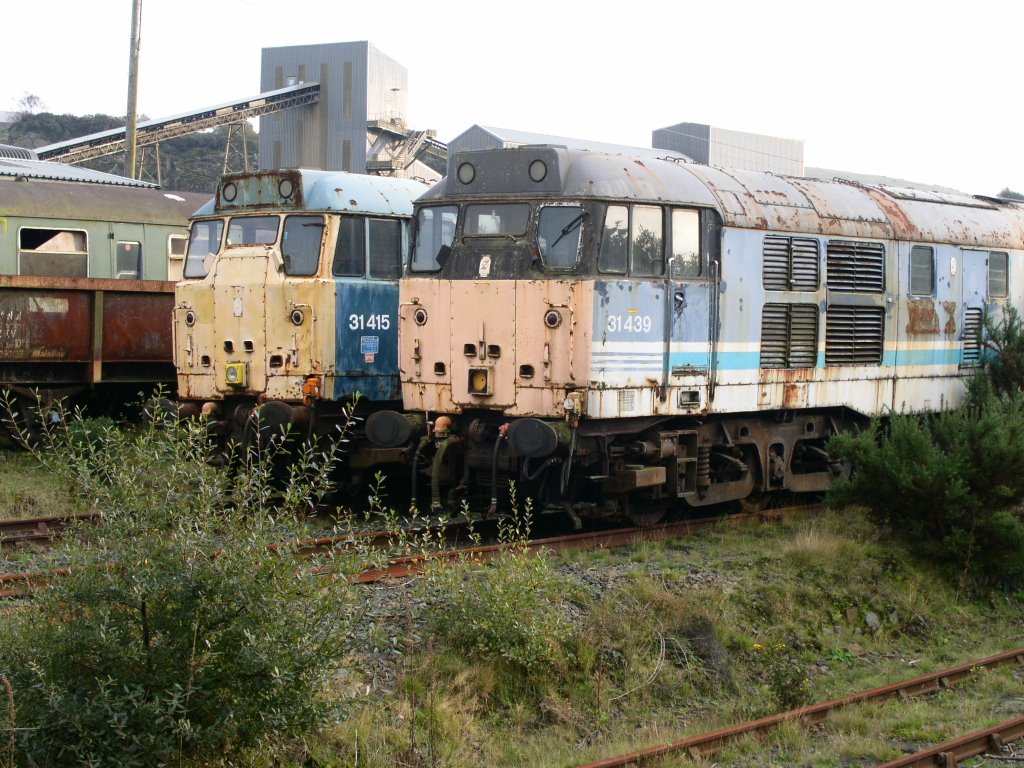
<point>350,251</point>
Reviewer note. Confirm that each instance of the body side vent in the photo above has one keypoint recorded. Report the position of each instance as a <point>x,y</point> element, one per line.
<point>855,267</point>
<point>854,335</point>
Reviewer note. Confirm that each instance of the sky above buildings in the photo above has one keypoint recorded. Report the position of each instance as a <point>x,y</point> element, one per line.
<point>926,91</point>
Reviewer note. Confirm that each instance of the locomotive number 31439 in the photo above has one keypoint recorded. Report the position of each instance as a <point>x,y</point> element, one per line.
<point>634,323</point>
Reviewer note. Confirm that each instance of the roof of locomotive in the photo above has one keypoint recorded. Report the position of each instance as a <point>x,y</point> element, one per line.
<point>312,190</point>
<point>71,201</point>
<point>745,199</point>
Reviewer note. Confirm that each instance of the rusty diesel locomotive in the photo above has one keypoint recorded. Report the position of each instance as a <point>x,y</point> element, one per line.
<point>288,307</point>
<point>619,335</point>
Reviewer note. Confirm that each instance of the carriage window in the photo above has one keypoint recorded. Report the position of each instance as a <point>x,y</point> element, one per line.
<point>496,220</point>
<point>203,245</point>
<point>558,235</point>
<point>252,230</point>
<point>922,270</point>
<point>177,245</point>
<point>998,275</point>
<point>129,261</point>
<point>615,240</point>
<point>686,260</point>
<point>350,252</point>
<point>435,233</point>
<point>648,241</point>
<point>53,252</point>
<point>385,249</point>
<point>300,245</point>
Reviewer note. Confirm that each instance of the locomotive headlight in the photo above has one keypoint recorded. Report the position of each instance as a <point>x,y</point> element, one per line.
<point>538,170</point>
<point>297,316</point>
<point>234,374</point>
<point>479,381</point>
<point>420,316</point>
<point>286,188</point>
<point>229,192</point>
<point>552,318</point>
<point>190,318</point>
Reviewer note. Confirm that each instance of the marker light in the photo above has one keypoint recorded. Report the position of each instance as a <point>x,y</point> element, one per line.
<point>234,374</point>
<point>479,381</point>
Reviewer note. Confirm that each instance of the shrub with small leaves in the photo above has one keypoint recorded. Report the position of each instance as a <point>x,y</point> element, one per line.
<point>509,610</point>
<point>176,636</point>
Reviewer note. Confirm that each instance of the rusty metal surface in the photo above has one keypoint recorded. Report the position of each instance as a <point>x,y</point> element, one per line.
<point>86,284</point>
<point>922,317</point>
<point>137,327</point>
<point>749,199</point>
<point>709,743</point>
<point>48,326</point>
<point>955,750</point>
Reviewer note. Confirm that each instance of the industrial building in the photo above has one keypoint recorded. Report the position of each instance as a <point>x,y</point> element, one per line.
<point>732,149</point>
<point>359,122</point>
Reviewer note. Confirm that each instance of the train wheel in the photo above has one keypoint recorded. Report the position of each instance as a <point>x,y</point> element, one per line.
<point>755,503</point>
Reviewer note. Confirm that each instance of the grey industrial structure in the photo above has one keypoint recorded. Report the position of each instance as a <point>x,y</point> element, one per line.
<point>732,149</point>
<point>359,123</point>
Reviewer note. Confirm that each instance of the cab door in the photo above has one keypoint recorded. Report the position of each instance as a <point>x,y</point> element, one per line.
<point>688,314</point>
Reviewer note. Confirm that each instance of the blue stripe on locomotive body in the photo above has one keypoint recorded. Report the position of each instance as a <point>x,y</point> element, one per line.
<point>366,341</point>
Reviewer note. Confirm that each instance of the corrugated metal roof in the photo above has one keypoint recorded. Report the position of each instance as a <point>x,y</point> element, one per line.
<point>18,153</point>
<point>40,169</point>
<point>96,202</point>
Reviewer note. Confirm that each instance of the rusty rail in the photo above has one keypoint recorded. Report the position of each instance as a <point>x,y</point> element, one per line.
<point>707,744</point>
<point>19,584</point>
<point>26,529</point>
<point>401,567</point>
<point>950,753</point>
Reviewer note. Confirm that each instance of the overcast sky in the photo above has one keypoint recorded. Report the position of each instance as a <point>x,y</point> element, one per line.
<point>927,91</point>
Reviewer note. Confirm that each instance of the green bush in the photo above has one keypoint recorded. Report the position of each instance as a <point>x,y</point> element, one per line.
<point>509,610</point>
<point>176,637</point>
<point>950,483</point>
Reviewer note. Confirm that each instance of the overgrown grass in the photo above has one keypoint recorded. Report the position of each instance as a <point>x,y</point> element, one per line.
<point>522,661</point>
<point>27,489</point>
<point>685,639</point>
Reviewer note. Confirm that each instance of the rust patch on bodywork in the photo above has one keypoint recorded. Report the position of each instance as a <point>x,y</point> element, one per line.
<point>950,309</point>
<point>922,317</point>
<point>905,228</point>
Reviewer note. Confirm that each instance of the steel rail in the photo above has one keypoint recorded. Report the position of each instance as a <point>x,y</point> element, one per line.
<point>950,753</point>
<point>20,530</point>
<point>707,744</point>
<point>401,567</point>
<point>17,584</point>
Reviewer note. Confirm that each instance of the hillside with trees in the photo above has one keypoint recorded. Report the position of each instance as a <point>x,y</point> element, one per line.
<point>191,163</point>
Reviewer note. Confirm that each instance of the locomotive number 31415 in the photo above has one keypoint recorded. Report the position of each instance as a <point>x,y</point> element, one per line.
<point>364,322</point>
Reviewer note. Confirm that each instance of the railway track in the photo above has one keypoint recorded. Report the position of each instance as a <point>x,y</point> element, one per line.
<point>21,584</point>
<point>38,529</point>
<point>990,742</point>
<point>707,744</point>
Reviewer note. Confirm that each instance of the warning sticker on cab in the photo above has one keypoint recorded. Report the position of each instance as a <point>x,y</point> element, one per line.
<point>369,345</point>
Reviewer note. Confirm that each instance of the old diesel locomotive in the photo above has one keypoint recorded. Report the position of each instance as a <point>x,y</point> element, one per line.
<point>617,335</point>
<point>290,300</point>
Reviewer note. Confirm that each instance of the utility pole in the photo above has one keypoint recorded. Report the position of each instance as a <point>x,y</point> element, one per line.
<point>133,89</point>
